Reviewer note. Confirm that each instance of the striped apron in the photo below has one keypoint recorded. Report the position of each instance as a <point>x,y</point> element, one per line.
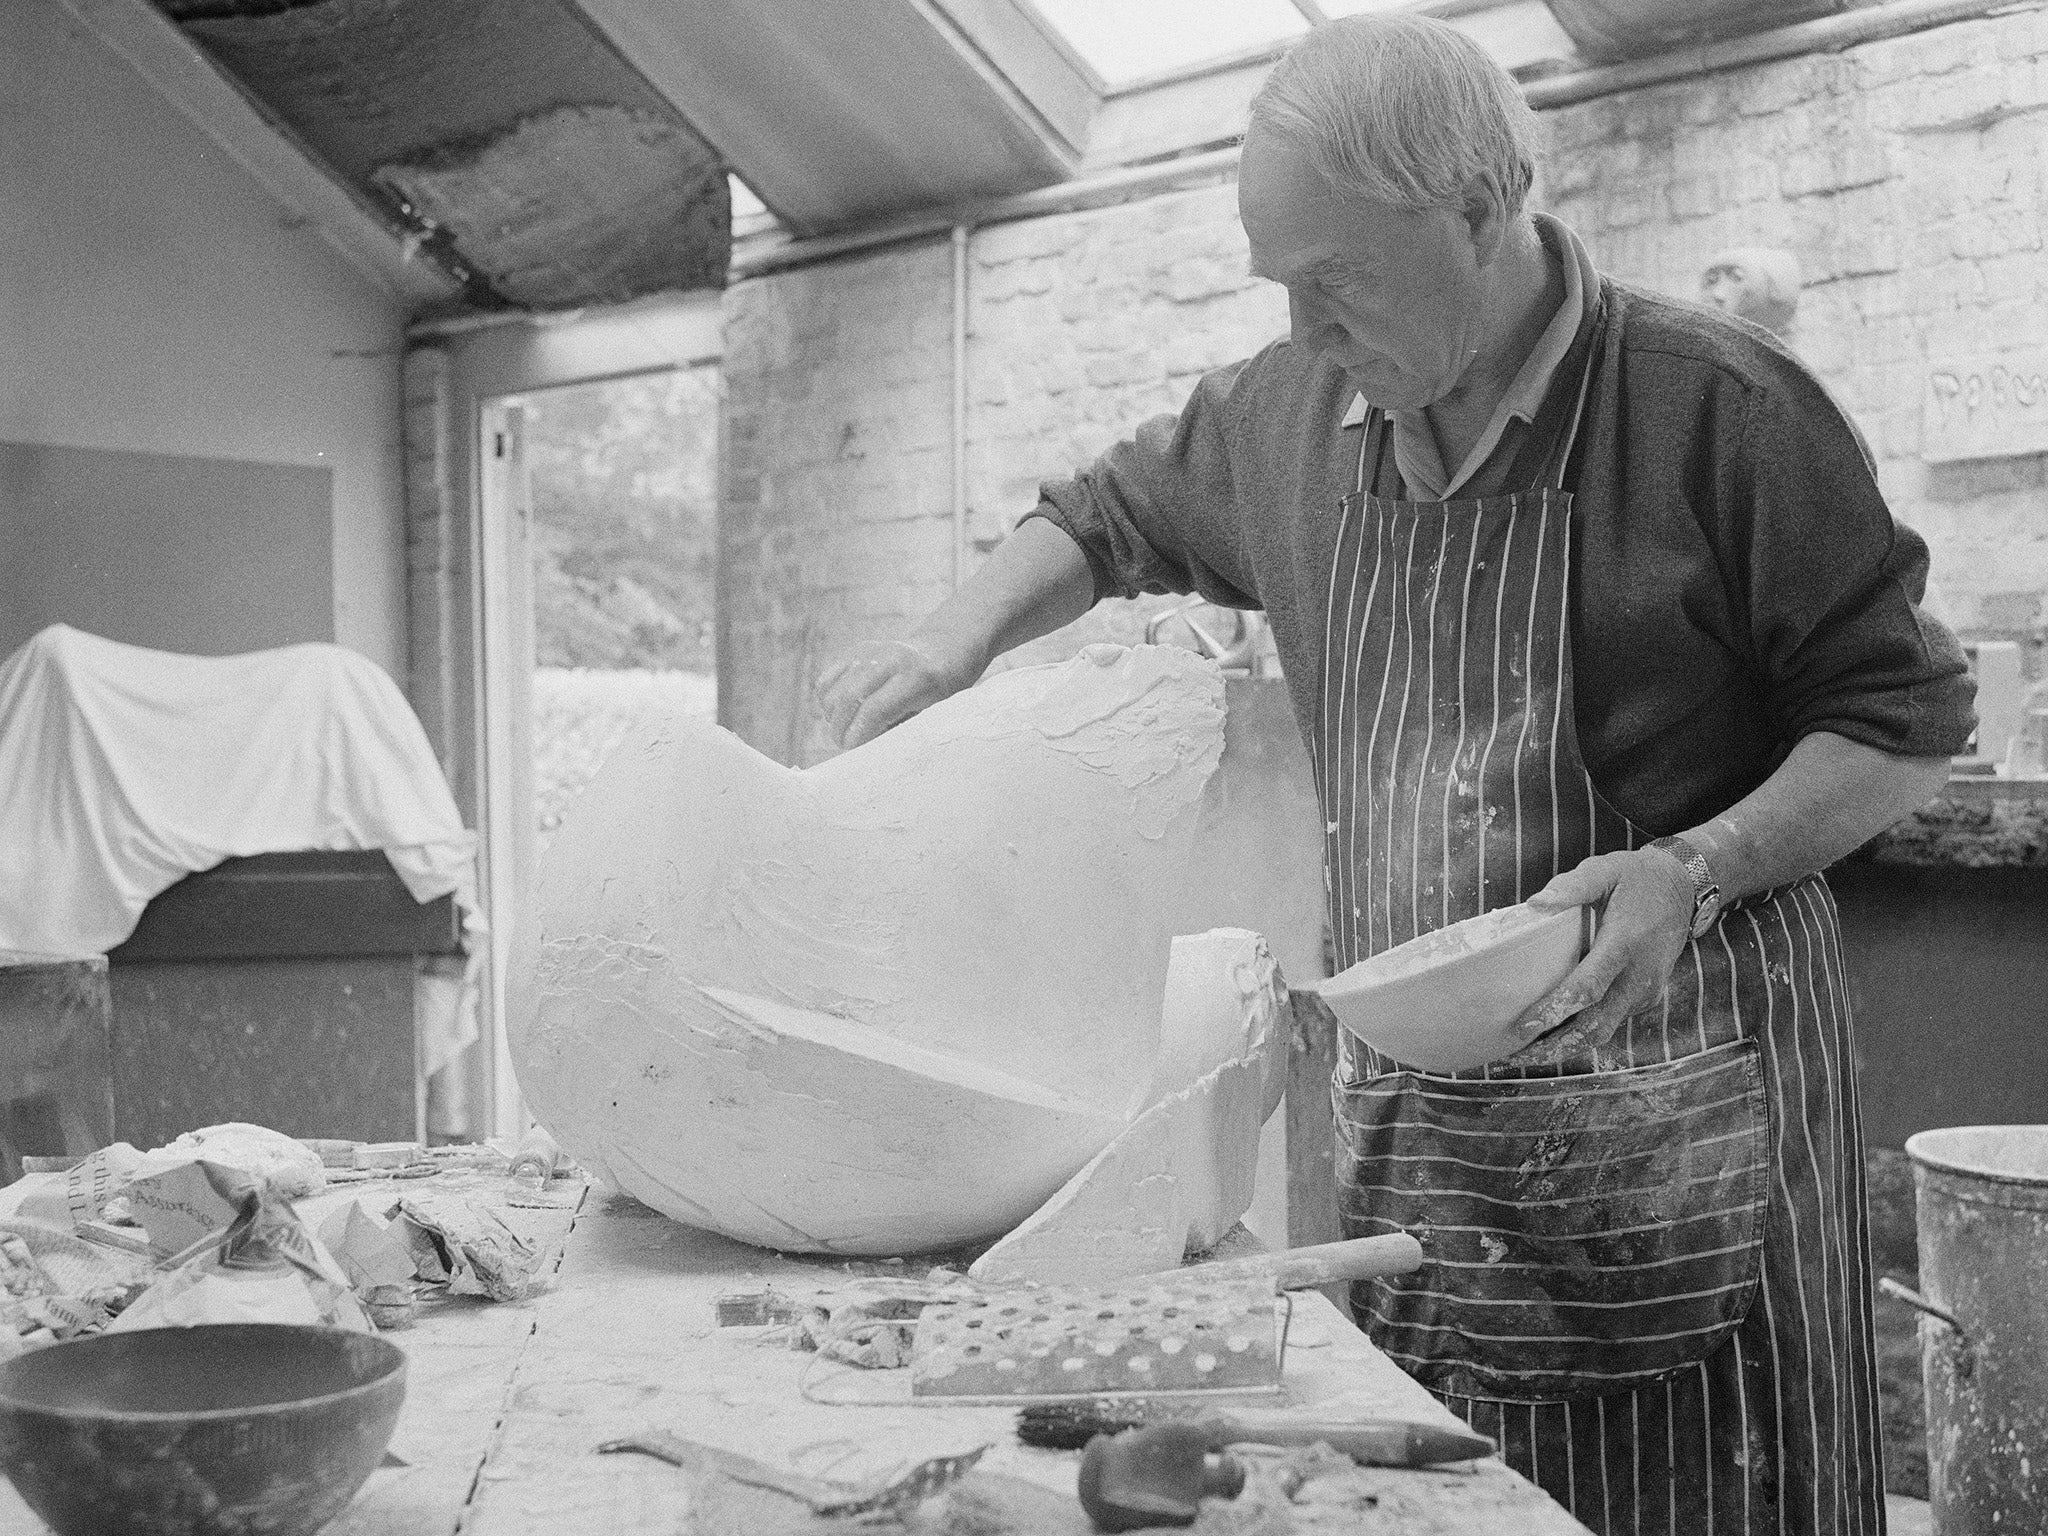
<point>1650,1276</point>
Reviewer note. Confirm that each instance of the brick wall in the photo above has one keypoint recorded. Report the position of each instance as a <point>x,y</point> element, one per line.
<point>1085,325</point>
<point>837,517</point>
<point>1908,177</point>
<point>835,522</point>
<point>430,555</point>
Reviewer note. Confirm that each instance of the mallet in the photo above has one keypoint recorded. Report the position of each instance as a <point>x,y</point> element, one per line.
<point>1158,1475</point>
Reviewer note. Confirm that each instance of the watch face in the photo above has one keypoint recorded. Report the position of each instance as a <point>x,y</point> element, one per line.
<point>1705,910</point>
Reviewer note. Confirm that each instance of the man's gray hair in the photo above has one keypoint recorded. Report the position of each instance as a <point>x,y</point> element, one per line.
<point>1403,110</point>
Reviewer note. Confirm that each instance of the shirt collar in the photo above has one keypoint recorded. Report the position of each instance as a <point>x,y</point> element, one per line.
<point>1526,394</point>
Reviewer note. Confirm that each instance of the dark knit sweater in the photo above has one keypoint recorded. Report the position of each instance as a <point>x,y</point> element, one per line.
<point>1738,579</point>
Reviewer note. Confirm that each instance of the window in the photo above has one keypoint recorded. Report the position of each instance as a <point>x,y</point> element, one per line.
<point>1122,42</point>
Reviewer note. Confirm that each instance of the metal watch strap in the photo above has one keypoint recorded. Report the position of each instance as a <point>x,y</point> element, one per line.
<point>1706,890</point>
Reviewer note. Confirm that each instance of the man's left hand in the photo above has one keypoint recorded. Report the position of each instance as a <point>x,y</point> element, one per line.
<point>1647,902</point>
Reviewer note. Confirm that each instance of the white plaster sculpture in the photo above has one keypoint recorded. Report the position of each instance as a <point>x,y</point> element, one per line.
<point>885,1004</point>
<point>1176,1180</point>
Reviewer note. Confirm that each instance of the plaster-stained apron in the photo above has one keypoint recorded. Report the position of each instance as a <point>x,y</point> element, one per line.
<point>1651,1273</point>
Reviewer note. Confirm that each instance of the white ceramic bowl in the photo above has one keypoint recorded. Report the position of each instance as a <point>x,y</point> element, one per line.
<point>1447,1001</point>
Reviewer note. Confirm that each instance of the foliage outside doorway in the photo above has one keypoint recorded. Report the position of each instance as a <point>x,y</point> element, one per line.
<point>624,477</point>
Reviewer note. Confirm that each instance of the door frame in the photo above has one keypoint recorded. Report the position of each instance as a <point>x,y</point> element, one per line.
<point>483,611</point>
<point>504,618</point>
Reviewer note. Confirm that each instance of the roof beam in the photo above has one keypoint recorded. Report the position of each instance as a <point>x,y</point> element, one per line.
<point>185,78</point>
<point>827,109</point>
<point>1029,59</point>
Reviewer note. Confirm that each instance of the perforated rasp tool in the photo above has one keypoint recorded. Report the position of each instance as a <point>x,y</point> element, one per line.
<point>1162,1338</point>
<point>1206,1328</point>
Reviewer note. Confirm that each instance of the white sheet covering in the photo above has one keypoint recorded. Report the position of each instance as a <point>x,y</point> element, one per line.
<point>124,769</point>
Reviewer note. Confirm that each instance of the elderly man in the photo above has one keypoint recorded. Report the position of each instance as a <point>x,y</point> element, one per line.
<point>1583,596</point>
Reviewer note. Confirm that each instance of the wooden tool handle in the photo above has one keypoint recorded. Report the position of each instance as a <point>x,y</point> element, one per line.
<point>1362,1258</point>
<point>1369,1442</point>
<point>1296,1269</point>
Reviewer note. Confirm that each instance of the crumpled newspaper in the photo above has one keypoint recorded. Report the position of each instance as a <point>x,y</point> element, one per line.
<point>54,1285</point>
<point>371,1250</point>
<point>291,1168</point>
<point>189,1201</point>
<point>458,1243</point>
<point>85,1190</point>
<point>265,1267</point>
<point>203,1231</point>
<point>159,1190</point>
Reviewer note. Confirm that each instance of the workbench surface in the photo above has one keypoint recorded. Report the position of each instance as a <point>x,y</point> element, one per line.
<point>506,1402</point>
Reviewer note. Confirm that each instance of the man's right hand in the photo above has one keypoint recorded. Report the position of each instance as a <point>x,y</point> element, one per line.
<point>1036,580</point>
<point>882,684</point>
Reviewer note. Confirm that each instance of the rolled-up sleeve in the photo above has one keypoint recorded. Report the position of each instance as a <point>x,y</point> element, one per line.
<point>1835,585</point>
<point>1158,512</point>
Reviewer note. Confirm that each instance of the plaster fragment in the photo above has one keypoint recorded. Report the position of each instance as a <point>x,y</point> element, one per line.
<point>1180,1175</point>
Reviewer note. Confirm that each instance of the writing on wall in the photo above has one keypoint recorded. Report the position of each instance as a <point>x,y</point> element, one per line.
<point>1985,410</point>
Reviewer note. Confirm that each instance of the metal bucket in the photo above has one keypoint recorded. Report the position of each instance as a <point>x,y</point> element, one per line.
<point>1981,1192</point>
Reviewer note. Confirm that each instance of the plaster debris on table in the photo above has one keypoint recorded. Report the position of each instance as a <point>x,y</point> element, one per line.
<point>365,1244</point>
<point>291,1169</point>
<point>890,1500</point>
<point>264,1266</point>
<point>207,1229</point>
<point>460,1244</point>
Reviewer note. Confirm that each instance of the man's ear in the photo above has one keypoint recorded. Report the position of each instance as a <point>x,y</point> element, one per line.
<point>1485,213</point>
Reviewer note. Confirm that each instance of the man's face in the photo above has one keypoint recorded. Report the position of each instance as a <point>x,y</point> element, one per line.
<point>1394,298</point>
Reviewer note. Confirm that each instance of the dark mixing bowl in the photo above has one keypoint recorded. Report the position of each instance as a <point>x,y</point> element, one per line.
<point>254,1429</point>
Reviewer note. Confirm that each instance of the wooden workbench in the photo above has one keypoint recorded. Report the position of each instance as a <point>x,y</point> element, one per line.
<point>506,1402</point>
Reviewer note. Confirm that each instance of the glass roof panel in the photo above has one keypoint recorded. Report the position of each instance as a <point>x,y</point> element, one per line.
<point>1335,8</point>
<point>1124,40</point>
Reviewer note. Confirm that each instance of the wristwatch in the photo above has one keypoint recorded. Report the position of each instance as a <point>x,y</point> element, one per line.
<point>1706,890</point>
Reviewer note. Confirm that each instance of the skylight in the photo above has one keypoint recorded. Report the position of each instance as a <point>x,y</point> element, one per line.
<point>1125,40</point>
<point>1335,8</point>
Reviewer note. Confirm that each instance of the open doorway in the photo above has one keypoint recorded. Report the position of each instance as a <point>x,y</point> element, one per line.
<point>597,561</point>
<point>597,564</point>
<point>588,470</point>
<point>473,595</point>
<point>624,494</point>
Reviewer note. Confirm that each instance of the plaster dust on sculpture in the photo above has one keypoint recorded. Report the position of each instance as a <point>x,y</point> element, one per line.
<point>890,1003</point>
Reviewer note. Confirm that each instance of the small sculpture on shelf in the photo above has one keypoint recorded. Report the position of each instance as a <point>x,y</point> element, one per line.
<point>1756,284</point>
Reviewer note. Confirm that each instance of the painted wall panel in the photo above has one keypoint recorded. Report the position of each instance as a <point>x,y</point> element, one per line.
<point>209,556</point>
<point>155,300</point>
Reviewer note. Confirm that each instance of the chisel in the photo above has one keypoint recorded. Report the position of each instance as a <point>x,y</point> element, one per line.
<point>1369,1442</point>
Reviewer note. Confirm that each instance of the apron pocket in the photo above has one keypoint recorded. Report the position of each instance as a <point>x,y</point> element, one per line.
<point>1588,1233</point>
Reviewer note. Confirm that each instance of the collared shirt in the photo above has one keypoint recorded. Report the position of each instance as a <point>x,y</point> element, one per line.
<point>1417,456</point>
